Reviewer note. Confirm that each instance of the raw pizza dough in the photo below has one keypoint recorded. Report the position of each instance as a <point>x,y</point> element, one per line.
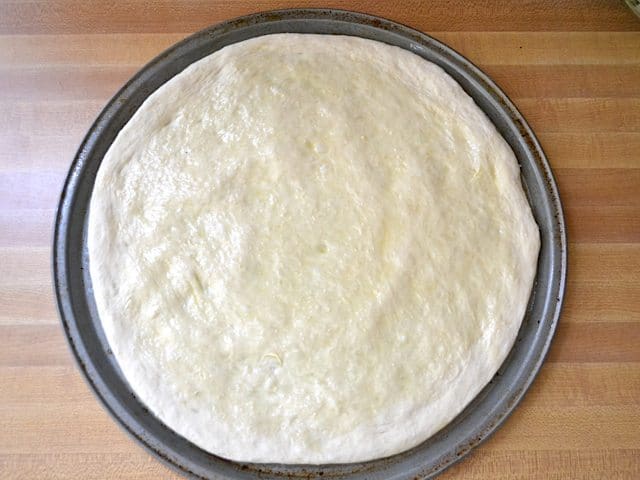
<point>310,249</point>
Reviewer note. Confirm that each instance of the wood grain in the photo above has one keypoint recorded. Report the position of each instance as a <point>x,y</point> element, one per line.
<point>483,48</point>
<point>572,68</point>
<point>97,82</point>
<point>135,16</point>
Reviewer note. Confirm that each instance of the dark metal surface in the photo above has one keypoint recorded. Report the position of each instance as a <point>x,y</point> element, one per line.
<point>485,413</point>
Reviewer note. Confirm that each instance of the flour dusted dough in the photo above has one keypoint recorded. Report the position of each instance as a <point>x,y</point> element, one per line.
<point>310,249</point>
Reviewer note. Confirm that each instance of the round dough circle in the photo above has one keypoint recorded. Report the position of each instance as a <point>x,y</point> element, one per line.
<point>310,249</point>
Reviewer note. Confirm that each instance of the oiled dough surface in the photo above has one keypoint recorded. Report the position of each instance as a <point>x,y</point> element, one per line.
<point>310,249</point>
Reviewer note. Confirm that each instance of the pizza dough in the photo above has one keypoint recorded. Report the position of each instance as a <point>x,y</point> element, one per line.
<point>310,249</point>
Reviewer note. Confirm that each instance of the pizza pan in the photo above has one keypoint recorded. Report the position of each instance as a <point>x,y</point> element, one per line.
<point>485,413</point>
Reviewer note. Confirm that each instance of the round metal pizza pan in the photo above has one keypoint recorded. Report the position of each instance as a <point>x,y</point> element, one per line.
<point>481,417</point>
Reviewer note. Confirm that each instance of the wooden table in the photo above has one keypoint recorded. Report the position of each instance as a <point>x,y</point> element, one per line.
<point>572,67</point>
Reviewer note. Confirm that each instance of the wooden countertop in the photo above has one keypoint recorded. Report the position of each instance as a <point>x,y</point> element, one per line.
<point>572,67</point>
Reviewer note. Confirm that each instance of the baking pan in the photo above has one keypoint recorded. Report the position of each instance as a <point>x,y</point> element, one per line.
<point>481,417</point>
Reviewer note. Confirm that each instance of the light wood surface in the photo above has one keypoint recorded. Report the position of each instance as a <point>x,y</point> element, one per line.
<point>572,67</point>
